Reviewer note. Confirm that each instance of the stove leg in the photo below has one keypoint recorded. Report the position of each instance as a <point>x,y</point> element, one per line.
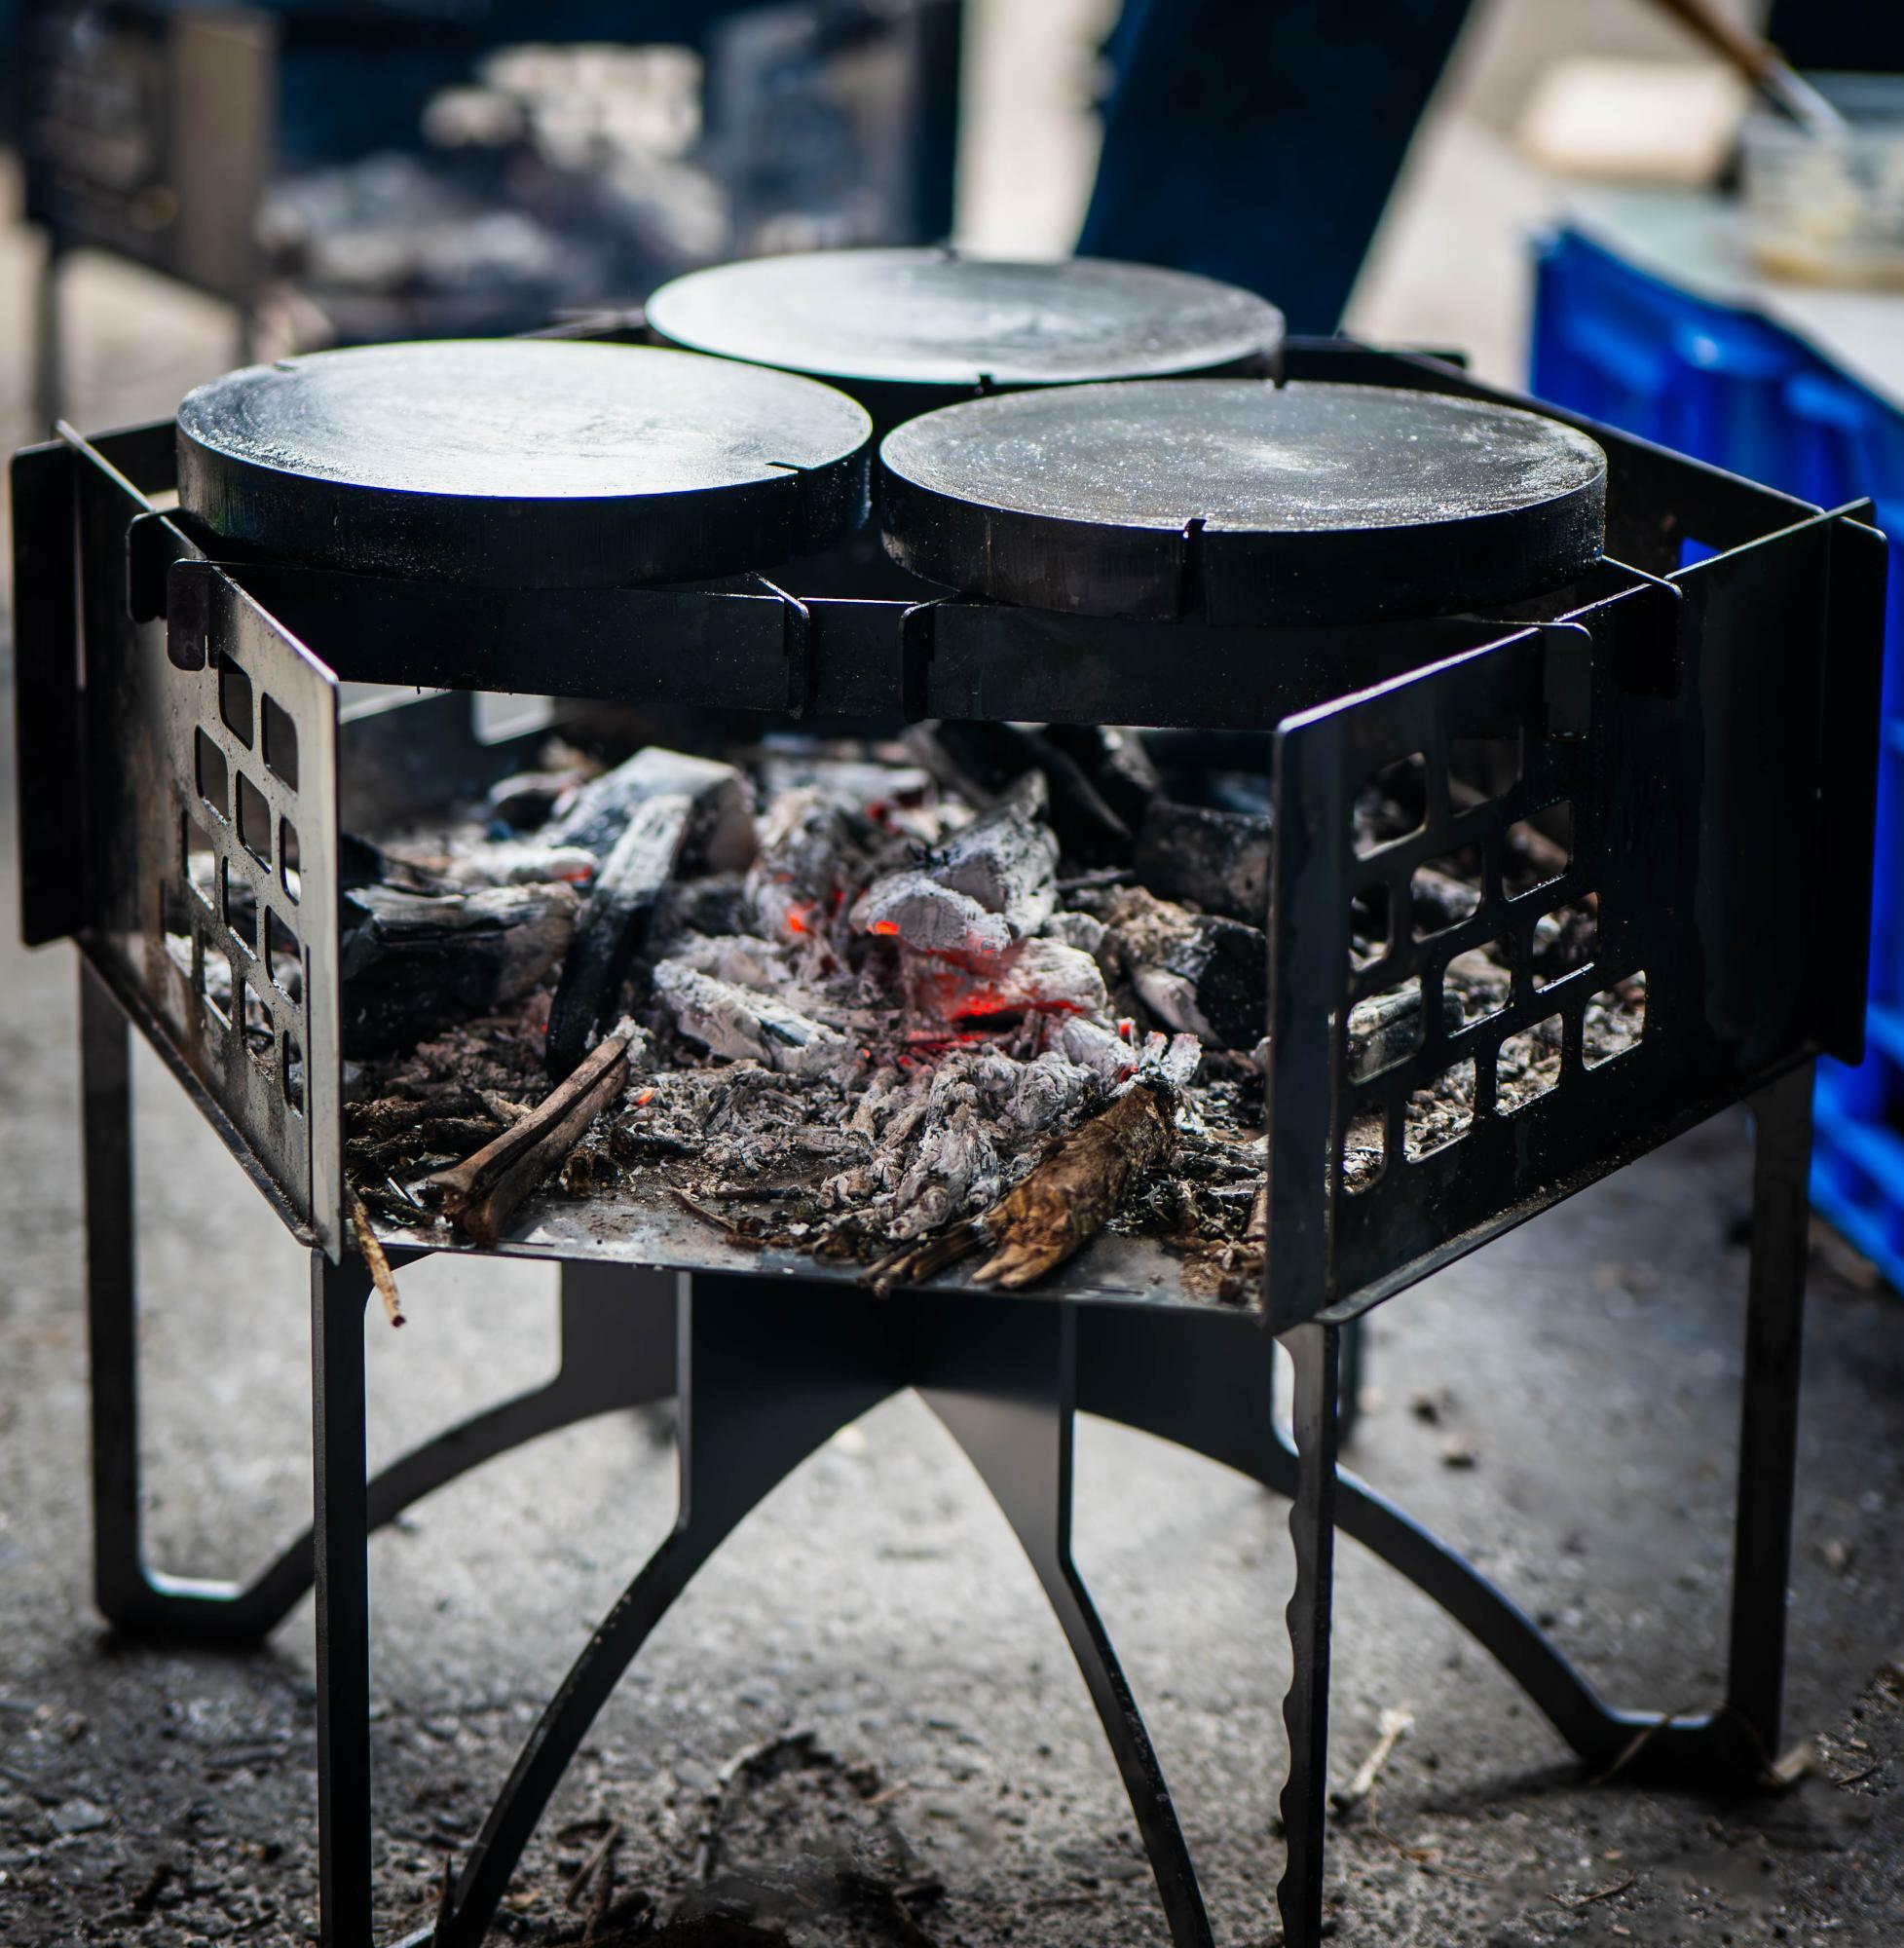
<point>1768,1453</point>
<point>341,1536</point>
<point>119,1580</point>
<point>1002,1378</point>
<point>617,1350</point>
<point>1355,1377</point>
<point>767,1374</point>
<point>1315,1351</point>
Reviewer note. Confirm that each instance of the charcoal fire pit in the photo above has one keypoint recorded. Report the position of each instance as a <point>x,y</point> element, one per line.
<point>1549,844</point>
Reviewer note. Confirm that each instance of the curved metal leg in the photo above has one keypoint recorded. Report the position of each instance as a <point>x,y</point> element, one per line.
<point>617,1350</point>
<point>1000,1376</point>
<point>767,1374</point>
<point>1208,1383</point>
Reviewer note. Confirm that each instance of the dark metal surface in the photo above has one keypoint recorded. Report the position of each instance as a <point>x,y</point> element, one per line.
<point>522,463</point>
<point>904,331</point>
<point>1242,500</point>
<point>1684,728</point>
<point>1316,1353</point>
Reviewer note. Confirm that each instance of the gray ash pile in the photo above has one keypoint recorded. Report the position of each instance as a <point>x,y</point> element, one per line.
<point>985,993</point>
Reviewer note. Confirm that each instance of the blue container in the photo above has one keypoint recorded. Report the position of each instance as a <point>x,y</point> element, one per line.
<point>1729,387</point>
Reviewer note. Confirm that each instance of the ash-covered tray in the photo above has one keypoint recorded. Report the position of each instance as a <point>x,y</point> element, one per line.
<point>522,463</point>
<point>984,1001</point>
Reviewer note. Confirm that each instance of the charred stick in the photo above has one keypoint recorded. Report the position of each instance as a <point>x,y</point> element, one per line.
<point>375,1263</point>
<point>614,924</point>
<point>481,1193</point>
<point>1074,1193</point>
<point>1056,1211</point>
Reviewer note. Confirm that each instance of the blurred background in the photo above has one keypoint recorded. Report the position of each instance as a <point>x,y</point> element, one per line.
<point>299,173</point>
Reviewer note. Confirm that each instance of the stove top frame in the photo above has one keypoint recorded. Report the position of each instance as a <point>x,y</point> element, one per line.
<point>1712,727</point>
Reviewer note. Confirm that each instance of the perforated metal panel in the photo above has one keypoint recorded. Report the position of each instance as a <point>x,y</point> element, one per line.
<point>247,908</point>
<point>1671,750</point>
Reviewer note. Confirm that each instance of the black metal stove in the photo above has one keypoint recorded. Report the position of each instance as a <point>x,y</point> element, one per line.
<point>1702,696</point>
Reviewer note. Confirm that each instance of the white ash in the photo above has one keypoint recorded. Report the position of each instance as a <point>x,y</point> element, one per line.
<point>989,885</point>
<point>519,862</point>
<point>736,1022</point>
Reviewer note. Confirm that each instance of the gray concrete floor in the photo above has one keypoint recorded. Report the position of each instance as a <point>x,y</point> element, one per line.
<point>1586,1369</point>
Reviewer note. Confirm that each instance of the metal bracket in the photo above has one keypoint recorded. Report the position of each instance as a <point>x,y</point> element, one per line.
<point>797,638</point>
<point>916,626</point>
<point>152,545</point>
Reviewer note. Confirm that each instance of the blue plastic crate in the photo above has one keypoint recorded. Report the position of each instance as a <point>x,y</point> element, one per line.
<point>1730,387</point>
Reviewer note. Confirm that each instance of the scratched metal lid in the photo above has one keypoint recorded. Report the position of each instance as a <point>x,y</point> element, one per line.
<point>919,328</point>
<point>522,463</point>
<point>1243,501</point>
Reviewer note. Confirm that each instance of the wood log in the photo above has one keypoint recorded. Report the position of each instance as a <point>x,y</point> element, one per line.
<point>1056,1211</point>
<point>1218,859</point>
<point>1203,974</point>
<point>482,1193</point>
<point>413,963</point>
<point>614,924</point>
<point>724,824</point>
<point>992,882</point>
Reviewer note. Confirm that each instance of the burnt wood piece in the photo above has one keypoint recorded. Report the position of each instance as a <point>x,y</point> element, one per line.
<point>983,761</point>
<point>481,1193</point>
<point>1219,859</point>
<point>1056,1211</point>
<point>992,882</point>
<point>412,963</point>
<point>724,822</point>
<point>745,1025</point>
<point>1075,1193</point>
<point>1203,974</point>
<point>614,924</point>
<point>1117,760</point>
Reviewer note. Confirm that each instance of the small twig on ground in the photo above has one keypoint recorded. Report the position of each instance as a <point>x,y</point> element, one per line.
<point>1634,1745</point>
<point>1394,1724</point>
<point>1599,1894</point>
<point>157,1882</point>
<point>445,1902</point>
<point>1859,1778</point>
<point>597,1862</point>
<point>707,1848</point>
<point>379,1266</point>
<point>603,1863</point>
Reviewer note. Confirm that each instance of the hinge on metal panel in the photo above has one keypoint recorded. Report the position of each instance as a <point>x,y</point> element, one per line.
<point>916,634</point>
<point>186,605</point>
<point>797,643</point>
<point>1568,681</point>
<point>152,545</point>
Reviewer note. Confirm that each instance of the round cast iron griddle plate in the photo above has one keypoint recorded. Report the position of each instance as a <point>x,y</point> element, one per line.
<point>1253,503</point>
<point>933,321</point>
<point>523,463</point>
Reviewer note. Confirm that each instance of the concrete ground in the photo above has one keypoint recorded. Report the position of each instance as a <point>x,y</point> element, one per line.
<point>1562,1405</point>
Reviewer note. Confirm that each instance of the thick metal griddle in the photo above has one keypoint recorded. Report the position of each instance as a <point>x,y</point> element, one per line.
<point>907,330</point>
<point>522,463</point>
<point>1244,502</point>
